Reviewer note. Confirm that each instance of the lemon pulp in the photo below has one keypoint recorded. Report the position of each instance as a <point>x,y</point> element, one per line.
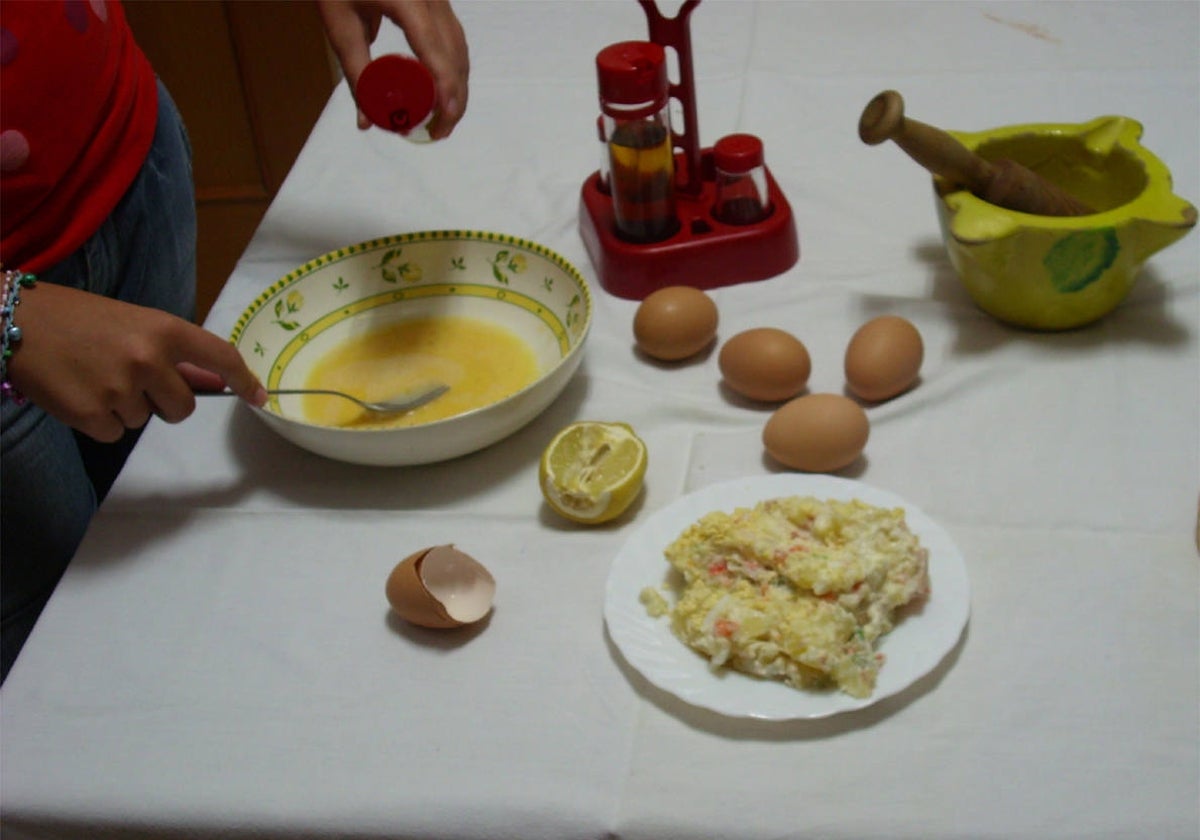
<point>592,471</point>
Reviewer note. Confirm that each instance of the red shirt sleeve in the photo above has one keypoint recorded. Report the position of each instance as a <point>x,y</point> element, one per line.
<point>80,105</point>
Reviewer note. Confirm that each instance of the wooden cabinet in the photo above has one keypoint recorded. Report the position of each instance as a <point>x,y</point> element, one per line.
<point>250,78</point>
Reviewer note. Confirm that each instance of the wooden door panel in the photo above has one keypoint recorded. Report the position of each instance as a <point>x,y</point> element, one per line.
<point>250,78</point>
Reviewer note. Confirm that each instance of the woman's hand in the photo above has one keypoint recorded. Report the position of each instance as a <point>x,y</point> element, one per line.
<point>103,366</point>
<point>434,33</point>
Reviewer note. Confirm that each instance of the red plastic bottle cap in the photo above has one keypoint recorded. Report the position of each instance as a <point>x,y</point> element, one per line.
<point>738,153</point>
<point>632,73</point>
<point>396,93</point>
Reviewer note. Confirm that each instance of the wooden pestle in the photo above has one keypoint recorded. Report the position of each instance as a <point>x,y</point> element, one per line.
<point>1004,183</point>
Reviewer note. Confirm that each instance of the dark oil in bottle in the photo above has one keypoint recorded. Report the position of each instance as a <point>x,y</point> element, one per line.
<point>643,180</point>
<point>743,210</point>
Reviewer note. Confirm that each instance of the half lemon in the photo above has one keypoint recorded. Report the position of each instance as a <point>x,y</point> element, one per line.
<point>592,471</point>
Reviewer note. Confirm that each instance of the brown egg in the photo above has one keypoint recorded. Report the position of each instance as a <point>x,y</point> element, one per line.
<point>883,358</point>
<point>765,364</point>
<point>440,587</point>
<point>817,432</point>
<point>675,323</point>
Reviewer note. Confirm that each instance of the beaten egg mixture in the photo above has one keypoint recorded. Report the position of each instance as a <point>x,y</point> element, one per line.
<point>482,362</point>
<point>795,589</point>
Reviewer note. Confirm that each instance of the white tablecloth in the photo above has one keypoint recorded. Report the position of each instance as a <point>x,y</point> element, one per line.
<point>219,660</point>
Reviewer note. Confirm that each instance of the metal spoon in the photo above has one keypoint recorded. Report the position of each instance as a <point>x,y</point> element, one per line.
<point>397,405</point>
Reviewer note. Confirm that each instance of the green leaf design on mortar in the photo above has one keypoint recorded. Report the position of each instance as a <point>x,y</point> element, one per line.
<point>1077,260</point>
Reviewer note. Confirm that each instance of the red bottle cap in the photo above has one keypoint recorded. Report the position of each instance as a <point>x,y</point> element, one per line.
<point>633,78</point>
<point>738,153</point>
<point>396,93</point>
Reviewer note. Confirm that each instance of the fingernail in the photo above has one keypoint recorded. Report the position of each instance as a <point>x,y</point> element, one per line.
<point>259,397</point>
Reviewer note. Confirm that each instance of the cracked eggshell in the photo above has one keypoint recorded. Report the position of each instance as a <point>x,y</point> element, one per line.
<point>440,587</point>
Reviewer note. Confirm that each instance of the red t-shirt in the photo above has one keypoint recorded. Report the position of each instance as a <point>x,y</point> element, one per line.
<point>78,110</point>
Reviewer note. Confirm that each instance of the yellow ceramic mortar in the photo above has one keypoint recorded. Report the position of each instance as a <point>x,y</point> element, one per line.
<point>1058,272</point>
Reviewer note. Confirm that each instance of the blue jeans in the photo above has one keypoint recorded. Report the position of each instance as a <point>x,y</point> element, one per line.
<point>52,478</point>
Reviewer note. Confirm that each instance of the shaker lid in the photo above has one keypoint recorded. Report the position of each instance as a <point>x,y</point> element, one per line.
<point>738,153</point>
<point>396,92</point>
<point>632,73</point>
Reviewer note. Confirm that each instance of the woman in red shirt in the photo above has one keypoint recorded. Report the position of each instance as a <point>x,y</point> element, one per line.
<point>96,200</point>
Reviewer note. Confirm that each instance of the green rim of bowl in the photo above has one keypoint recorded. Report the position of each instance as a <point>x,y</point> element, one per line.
<point>348,251</point>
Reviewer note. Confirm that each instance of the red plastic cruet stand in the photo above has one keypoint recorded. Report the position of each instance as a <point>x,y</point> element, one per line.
<point>704,253</point>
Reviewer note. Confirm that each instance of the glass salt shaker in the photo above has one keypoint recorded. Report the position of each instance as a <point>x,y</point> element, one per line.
<point>397,93</point>
<point>636,131</point>
<point>741,180</point>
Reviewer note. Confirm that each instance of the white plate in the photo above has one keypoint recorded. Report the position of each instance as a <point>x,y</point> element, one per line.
<point>914,648</point>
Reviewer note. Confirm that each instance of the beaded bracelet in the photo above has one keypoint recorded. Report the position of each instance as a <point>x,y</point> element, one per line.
<point>11,283</point>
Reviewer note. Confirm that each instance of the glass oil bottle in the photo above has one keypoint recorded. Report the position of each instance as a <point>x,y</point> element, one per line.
<point>636,130</point>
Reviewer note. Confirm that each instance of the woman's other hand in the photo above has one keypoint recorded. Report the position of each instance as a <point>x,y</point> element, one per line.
<point>432,30</point>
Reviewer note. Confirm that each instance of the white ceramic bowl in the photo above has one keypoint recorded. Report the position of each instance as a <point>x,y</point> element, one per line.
<point>509,281</point>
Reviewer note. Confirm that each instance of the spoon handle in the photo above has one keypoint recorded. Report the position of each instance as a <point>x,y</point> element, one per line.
<point>287,391</point>
<point>392,406</point>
